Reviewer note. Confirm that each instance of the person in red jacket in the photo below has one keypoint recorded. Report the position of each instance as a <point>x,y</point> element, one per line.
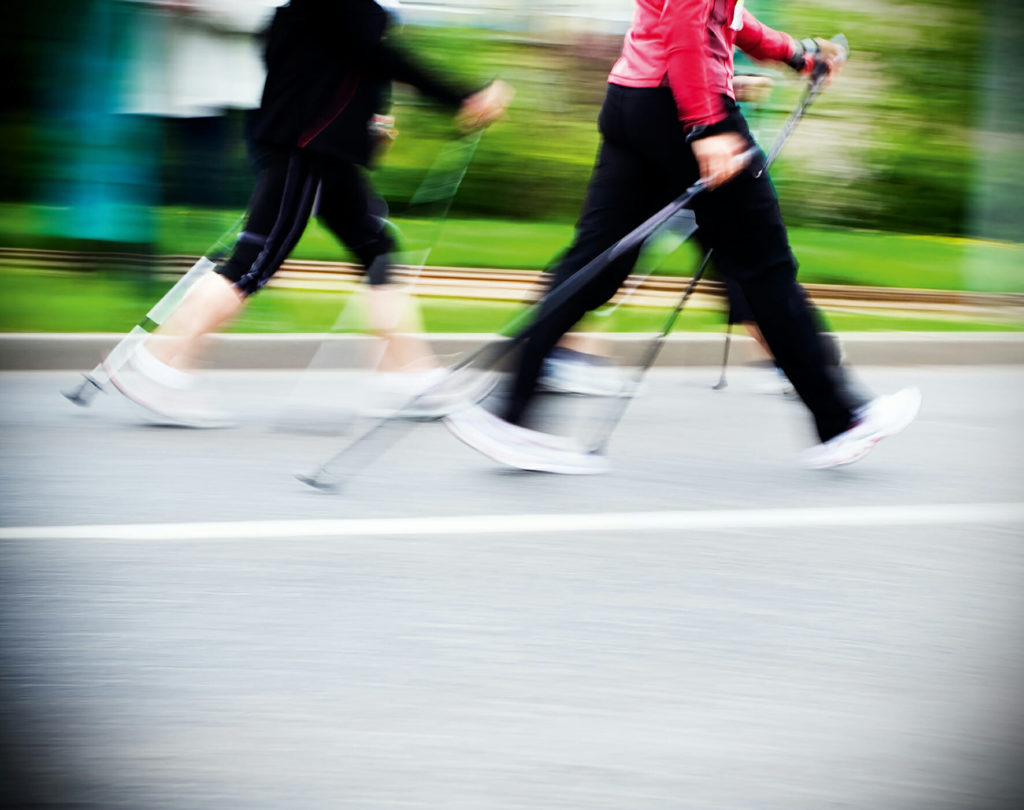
<point>670,117</point>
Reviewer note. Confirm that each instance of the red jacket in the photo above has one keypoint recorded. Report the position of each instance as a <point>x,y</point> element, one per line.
<point>688,44</point>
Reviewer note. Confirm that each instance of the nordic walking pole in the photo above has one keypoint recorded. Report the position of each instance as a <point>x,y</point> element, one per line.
<point>432,200</point>
<point>571,285</point>
<point>818,77</point>
<point>622,402</point>
<point>99,378</point>
<point>840,40</point>
<point>718,386</point>
<point>663,242</point>
<point>489,354</point>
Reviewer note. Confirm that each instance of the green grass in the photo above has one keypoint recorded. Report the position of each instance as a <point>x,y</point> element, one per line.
<point>100,301</point>
<point>32,301</point>
<point>826,256</point>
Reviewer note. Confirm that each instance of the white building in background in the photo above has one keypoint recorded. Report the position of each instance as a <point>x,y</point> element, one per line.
<point>198,58</point>
<point>524,15</point>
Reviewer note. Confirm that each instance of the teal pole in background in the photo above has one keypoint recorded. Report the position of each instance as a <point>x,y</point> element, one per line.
<point>102,164</point>
<point>997,207</point>
<point>997,198</point>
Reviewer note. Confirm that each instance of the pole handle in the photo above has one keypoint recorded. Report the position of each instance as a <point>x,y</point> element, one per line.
<point>821,69</point>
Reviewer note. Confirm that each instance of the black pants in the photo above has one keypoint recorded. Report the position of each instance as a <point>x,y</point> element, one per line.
<point>643,164</point>
<point>282,201</point>
<point>739,312</point>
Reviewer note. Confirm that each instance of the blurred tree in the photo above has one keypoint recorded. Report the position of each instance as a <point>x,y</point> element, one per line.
<point>997,210</point>
<point>921,134</point>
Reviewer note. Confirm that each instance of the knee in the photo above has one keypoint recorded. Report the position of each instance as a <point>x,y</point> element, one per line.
<point>374,251</point>
<point>378,270</point>
<point>238,269</point>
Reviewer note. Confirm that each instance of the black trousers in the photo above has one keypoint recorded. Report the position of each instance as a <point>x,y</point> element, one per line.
<point>289,182</point>
<point>643,164</point>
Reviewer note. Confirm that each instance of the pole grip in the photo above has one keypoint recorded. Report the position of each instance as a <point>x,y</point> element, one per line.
<point>820,68</point>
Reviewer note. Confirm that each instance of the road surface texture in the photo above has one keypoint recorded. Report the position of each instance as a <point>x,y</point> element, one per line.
<point>184,625</point>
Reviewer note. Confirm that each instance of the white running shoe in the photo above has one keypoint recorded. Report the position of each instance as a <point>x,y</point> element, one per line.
<point>521,447</point>
<point>882,417</point>
<point>571,372</point>
<point>409,383</point>
<point>183,407</point>
<point>428,395</point>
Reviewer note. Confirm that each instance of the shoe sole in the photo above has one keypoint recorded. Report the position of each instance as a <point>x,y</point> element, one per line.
<point>580,391</point>
<point>868,443</point>
<point>861,451</point>
<point>461,398</point>
<point>510,458</point>
<point>168,418</point>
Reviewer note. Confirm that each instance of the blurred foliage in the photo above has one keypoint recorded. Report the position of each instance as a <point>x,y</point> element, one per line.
<point>892,146</point>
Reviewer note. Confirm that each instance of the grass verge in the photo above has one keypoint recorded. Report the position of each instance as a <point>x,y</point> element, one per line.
<point>32,301</point>
<point>826,256</point>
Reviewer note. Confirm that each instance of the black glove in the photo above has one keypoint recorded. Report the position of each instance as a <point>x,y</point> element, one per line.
<point>805,56</point>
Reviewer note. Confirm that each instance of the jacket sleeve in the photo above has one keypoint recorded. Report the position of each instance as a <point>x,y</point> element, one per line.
<point>765,44</point>
<point>394,64</point>
<point>684,23</point>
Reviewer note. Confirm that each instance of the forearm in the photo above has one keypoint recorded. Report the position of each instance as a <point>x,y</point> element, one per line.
<point>396,65</point>
<point>763,43</point>
<point>766,44</point>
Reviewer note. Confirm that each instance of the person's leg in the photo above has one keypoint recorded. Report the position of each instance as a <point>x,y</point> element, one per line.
<point>352,211</point>
<point>211,303</point>
<point>640,168</point>
<point>637,172</point>
<point>278,212</point>
<point>601,224</point>
<point>739,312</point>
<point>157,374</point>
<point>742,221</point>
<point>853,391</point>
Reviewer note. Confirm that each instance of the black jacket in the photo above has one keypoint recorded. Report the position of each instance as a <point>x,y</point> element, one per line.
<point>329,70</point>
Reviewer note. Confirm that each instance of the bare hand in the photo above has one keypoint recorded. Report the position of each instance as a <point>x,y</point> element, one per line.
<point>719,157</point>
<point>485,106</point>
<point>754,89</point>
<point>832,55</point>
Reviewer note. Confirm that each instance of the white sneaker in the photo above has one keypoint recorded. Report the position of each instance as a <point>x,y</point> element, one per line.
<point>430,394</point>
<point>409,383</point>
<point>521,447</point>
<point>178,406</point>
<point>882,417</point>
<point>566,372</point>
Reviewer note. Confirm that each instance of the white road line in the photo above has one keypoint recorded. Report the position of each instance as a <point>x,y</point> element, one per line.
<point>712,520</point>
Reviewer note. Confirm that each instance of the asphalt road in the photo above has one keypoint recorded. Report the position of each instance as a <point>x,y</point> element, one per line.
<point>184,625</point>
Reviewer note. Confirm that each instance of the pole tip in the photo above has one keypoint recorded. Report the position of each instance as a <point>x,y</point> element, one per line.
<point>317,482</point>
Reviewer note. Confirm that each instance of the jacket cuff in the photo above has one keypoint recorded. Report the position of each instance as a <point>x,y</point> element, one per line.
<point>804,52</point>
<point>699,131</point>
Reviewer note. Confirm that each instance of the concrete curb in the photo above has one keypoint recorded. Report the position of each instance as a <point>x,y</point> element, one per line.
<point>81,352</point>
